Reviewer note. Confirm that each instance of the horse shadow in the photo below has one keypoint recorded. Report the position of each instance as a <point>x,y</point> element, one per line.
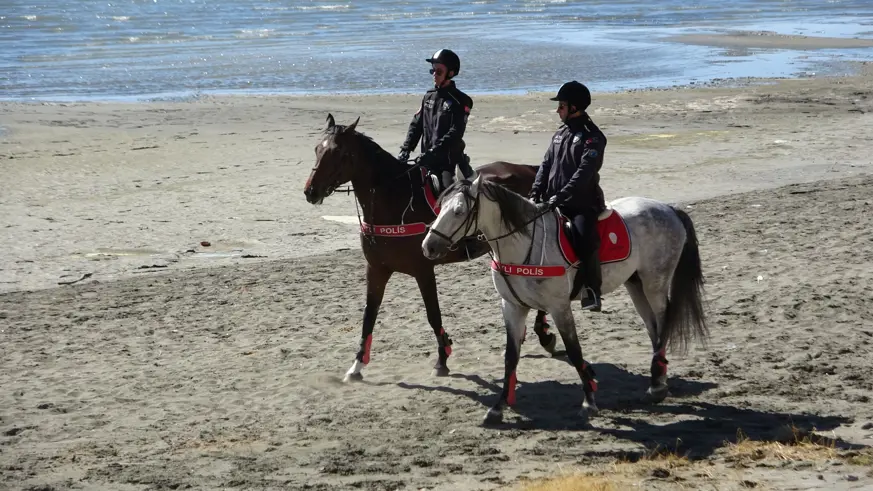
<point>554,406</point>
<point>716,424</point>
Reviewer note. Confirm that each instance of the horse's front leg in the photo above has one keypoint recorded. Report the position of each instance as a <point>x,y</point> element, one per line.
<point>514,318</point>
<point>428,287</point>
<point>567,327</point>
<point>377,278</point>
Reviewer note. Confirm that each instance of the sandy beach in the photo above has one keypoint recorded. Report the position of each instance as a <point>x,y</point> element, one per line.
<point>173,364</point>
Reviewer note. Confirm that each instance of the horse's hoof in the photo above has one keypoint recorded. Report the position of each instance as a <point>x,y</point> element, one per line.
<point>441,371</point>
<point>550,345</point>
<point>655,395</point>
<point>353,377</point>
<point>588,412</point>
<point>493,416</point>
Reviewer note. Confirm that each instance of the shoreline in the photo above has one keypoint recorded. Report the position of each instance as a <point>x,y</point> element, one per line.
<point>196,96</point>
<point>821,68</point>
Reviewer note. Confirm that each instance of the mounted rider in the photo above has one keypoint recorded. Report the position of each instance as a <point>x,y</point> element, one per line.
<point>569,178</point>
<point>440,122</point>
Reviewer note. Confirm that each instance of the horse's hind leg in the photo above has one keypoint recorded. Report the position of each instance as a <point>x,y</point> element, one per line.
<point>428,287</point>
<point>567,327</point>
<point>548,340</point>
<point>651,303</point>
<point>514,318</point>
<point>377,278</point>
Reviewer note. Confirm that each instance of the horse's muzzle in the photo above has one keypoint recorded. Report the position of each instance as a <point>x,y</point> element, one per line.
<point>313,196</point>
<point>434,247</point>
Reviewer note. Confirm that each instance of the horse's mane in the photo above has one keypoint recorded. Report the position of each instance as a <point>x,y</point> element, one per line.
<point>373,149</point>
<point>516,212</point>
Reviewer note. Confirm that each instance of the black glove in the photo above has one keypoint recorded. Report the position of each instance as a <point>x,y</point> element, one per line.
<point>553,202</point>
<point>535,198</point>
<point>403,156</point>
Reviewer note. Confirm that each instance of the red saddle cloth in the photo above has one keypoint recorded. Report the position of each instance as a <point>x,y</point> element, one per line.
<point>407,229</point>
<point>615,242</point>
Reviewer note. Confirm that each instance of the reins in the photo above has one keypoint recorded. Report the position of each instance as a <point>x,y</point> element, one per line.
<point>475,208</point>
<point>350,189</point>
<point>473,223</point>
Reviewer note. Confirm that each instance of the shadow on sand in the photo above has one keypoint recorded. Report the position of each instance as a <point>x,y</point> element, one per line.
<point>553,406</point>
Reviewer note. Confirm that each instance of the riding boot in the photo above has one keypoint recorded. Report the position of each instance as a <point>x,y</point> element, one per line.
<point>592,264</point>
<point>465,167</point>
<point>581,249</point>
<point>593,281</point>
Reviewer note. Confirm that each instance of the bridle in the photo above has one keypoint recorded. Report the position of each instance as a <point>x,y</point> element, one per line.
<point>471,223</point>
<point>348,154</point>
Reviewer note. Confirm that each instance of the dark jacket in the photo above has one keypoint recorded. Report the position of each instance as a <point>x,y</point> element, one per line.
<point>440,123</point>
<point>571,168</point>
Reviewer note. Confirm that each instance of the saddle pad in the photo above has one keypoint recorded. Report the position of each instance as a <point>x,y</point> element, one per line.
<point>615,242</point>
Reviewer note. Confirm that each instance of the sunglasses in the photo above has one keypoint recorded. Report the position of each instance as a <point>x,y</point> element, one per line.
<point>438,71</point>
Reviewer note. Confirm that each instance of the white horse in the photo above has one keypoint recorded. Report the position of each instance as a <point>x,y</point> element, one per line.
<point>662,273</point>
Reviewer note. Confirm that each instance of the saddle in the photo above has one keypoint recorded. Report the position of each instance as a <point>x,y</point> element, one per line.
<point>434,181</point>
<point>576,237</point>
<point>615,242</point>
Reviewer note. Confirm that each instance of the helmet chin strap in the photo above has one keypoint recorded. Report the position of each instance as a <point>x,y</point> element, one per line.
<point>575,114</point>
<point>445,80</point>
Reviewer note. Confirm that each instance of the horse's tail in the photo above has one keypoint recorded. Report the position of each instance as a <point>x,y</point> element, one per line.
<point>685,317</point>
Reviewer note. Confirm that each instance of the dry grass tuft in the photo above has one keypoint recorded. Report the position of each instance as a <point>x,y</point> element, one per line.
<point>629,469</point>
<point>576,482</point>
<point>792,444</point>
<point>861,459</point>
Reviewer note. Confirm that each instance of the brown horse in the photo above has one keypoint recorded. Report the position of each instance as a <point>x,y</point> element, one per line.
<point>397,205</point>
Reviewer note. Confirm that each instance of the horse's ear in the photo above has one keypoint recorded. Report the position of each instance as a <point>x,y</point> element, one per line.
<point>461,177</point>
<point>351,127</point>
<point>330,121</point>
<point>474,187</point>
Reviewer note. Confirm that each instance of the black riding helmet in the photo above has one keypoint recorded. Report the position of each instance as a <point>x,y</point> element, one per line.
<point>448,58</point>
<point>575,94</point>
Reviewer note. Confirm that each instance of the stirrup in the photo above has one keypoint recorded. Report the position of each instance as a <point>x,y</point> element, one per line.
<point>591,301</point>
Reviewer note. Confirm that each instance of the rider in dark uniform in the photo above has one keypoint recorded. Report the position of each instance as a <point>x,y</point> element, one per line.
<point>440,122</point>
<point>569,178</point>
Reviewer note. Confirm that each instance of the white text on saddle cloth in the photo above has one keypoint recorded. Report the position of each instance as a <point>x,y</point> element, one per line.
<point>394,230</point>
<point>528,270</point>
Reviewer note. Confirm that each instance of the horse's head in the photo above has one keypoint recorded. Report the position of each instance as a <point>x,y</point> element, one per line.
<point>458,218</point>
<point>334,161</point>
<point>468,208</point>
